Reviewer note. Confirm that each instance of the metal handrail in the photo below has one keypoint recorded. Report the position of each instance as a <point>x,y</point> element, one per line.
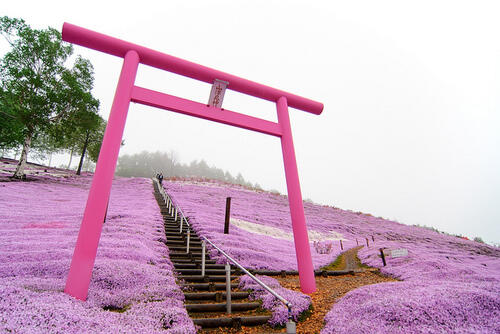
<point>177,208</point>
<point>271,291</point>
<point>164,194</point>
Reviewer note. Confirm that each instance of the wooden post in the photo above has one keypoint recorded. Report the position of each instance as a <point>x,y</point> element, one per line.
<point>373,239</point>
<point>357,243</point>
<point>228,288</point>
<point>367,245</point>
<point>383,256</point>
<point>228,215</point>
<point>106,213</point>
<point>203,254</point>
<point>341,246</point>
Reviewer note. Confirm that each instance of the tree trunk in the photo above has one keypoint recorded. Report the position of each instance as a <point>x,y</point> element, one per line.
<point>21,165</point>
<point>70,158</point>
<point>84,150</point>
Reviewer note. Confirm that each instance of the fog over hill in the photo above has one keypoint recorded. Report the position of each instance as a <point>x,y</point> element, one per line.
<point>147,164</point>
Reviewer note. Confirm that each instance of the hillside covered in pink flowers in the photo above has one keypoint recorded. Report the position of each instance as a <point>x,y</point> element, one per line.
<point>447,285</point>
<point>133,288</point>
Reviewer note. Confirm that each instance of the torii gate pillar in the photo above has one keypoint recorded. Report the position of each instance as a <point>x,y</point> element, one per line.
<point>300,236</point>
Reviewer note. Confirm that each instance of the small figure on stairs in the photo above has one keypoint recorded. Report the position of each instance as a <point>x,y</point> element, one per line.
<point>160,178</point>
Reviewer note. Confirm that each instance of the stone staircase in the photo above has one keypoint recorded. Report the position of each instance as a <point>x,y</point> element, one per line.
<point>206,295</point>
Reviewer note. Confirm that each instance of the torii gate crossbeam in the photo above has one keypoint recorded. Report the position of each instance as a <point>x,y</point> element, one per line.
<point>82,263</point>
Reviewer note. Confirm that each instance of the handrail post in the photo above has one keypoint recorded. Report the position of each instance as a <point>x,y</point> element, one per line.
<point>291,326</point>
<point>228,288</point>
<point>283,300</point>
<point>175,213</point>
<point>188,239</point>
<point>203,251</point>
<point>180,230</point>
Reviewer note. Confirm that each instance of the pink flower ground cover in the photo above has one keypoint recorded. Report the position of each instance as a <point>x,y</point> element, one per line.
<point>133,288</point>
<point>300,302</point>
<point>449,285</point>
<point>204,204</point>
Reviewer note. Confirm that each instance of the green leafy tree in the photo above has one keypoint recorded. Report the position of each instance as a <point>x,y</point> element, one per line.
<point>38,93</point>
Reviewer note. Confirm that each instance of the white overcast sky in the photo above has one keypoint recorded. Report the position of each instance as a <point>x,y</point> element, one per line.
<point>411,92</point>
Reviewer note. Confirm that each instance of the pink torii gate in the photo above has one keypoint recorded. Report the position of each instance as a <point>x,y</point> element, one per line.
<point>80,271</point>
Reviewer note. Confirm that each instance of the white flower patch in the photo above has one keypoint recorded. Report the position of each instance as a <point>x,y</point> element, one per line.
<point>280,234</point>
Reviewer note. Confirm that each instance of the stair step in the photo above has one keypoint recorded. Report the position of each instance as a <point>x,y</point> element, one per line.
<point>184,254</point>
<point>181,236</point>
<point>207,286</point>
<point>213,295</point>
<point>176,237</point>
<point>190,265</point>
<point>181,260</point>
<point>174,243</point>
<point>176,230</point>
<point>183,248</point>
<point>221,307</point>
<point>209,278</point>
<point>187,265</point>
<point>197,271</point>
<point>231,322</point>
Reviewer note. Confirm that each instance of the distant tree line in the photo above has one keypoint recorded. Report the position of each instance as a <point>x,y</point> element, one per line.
<point>147,164</point>
<point>46,106</point>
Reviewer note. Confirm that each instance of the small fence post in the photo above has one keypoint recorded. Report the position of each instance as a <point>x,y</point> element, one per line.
<point>383,256</point>
<point>180,229</point>
<point>291,327</point>
<point>228,288</point>
<point>228,215</point>
<point>188,239</point>
<point>175,213</point>
<point>357,243</point>
<point>341,246</point>
<point>367,245</point>
<point>203,250</point>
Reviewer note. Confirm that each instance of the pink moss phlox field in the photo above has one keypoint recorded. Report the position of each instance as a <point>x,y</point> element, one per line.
<point>300,302</point>
<point>133,287</point>
<point>448,284</point>
<point>204,204</point>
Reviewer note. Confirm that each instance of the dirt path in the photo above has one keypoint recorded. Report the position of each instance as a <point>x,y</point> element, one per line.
<point>351,259</point>
<point>329,290</point>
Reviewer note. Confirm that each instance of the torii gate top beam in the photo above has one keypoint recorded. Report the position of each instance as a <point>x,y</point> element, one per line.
<point>117,47</point>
